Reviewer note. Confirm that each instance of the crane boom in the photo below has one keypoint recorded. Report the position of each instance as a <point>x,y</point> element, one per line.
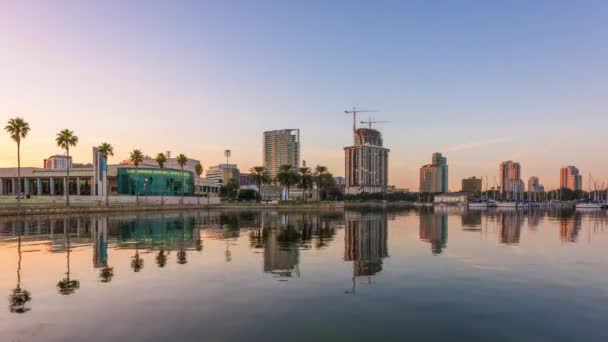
<point>370,122</point>
<point>354,112</point>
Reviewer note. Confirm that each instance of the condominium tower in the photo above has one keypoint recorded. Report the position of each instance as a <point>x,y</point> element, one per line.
<point>569,178</point>
<point>366,163</point>
<point>281,147</point>
<point>434,177</point>
<point>510,177</point>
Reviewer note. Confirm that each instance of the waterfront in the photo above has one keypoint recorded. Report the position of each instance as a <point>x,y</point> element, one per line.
<point>232,275</point>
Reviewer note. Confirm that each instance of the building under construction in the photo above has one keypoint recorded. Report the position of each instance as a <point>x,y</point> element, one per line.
<point>366,162</point>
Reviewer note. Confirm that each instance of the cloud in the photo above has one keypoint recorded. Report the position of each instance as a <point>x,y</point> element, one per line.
<point>472,145</point>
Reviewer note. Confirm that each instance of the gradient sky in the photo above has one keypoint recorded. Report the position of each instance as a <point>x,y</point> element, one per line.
<point>479,81</point>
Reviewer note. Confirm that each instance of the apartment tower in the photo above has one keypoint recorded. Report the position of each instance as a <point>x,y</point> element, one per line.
<point>281,147</point>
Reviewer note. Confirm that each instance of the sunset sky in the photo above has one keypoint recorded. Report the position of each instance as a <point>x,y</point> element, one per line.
<point>479,81</point>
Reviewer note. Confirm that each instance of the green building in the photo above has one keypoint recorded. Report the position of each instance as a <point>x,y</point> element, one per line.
<point>155,182</point>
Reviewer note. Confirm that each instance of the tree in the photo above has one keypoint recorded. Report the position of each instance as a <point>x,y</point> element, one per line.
<point>19,297</point>
<point>229,189</point>
<point>287,177</point>
<point>248,195</point>
<point>136,157</point>
<point>18,130</point>
<point>161,159</point>
<point>259,176</point>
<point>106,151</point>
<point>324,180</point>
<point>181,161</point>
<point>305,180</point>
<point>66,139</point>
<point>198,169</point>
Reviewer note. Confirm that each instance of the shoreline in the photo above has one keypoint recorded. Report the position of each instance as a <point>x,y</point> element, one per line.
<point>89,209</point>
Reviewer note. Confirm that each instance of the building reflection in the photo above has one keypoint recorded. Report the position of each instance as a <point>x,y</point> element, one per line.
<point>570,227</point>
<point>510,222</point>
<point>471,220</point>
<point>434,230</point>
<point>365,242</point>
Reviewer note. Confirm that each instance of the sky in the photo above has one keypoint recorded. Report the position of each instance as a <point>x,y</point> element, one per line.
<point>480,81</point>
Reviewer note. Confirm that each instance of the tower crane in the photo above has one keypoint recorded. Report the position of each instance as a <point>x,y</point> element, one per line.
<point>354,112</point>
<point>371,122</point>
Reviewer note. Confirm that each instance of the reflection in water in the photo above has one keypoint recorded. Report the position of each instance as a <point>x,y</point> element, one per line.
<point>67,285</point>
<point>471,220</point>
<point>434,229</point>
<point>19,297</point>
<point>569,227</point>
<point>510,222</point>
<point>365,243</point>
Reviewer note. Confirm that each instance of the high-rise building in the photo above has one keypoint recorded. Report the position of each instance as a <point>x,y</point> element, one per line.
<point>472,185</point>
<point>534,185</point>
<point>366,163</point>
<point>281,147</point>
<point>569,178</point>
<point>510,177</point>
<point>434,177</point>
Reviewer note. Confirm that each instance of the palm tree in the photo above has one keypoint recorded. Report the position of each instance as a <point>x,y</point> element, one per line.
<point>320,176</point>
<point>287,177</point>
<point>18,129</point>
<point>66,139</point>
<point>19,297</point>
<point>259,176</point>
<point>67,286</point>
<point>106,151</point>
<point>305,180</point>
<point>161,159</point>
<point>198,169</point>
<point>136,157</point>
<point>181,161</point>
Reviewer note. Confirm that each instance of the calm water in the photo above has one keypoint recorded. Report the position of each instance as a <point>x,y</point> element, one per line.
<point>306,276</point>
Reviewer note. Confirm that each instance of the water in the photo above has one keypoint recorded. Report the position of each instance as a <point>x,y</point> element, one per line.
<point>302,276</point>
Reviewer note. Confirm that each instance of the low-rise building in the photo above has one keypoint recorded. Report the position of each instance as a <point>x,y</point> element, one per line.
<point>472,185</point>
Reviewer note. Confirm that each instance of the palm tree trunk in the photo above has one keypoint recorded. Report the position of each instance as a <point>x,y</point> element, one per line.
<point>18,174</point>
<point>136,190</point>
<point>67,186</point>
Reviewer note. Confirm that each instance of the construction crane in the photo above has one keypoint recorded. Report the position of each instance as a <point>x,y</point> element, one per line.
<point>370,122</point>
<point>354,112</point>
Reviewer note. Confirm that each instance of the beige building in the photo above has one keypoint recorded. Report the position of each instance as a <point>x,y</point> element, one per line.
<point>281,147</point>
<point>569,178</point>
<point>434,177</point>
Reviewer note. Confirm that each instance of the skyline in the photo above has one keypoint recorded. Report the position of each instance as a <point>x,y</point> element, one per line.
<point>481,83</point>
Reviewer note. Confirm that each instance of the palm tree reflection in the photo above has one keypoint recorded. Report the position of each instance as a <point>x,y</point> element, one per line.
<point>137,263</point>
<point>161,258</point>
<point>106,274</point>
<point>19,297</point>
<point>67,286</point>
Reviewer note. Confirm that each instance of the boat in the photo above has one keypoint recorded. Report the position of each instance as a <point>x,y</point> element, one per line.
<point>478,204</point>
<point>506,204</point>
<point>589,204</point>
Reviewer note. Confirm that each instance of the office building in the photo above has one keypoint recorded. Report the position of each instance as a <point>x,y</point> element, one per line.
<point>366,163</point>
<point>94,179</point>
<point>281,147</point>
<point>434,177</point>
<point>222,173</point>
<point>569,178</point>
<point>510,177</point>
<point>472,185</point>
